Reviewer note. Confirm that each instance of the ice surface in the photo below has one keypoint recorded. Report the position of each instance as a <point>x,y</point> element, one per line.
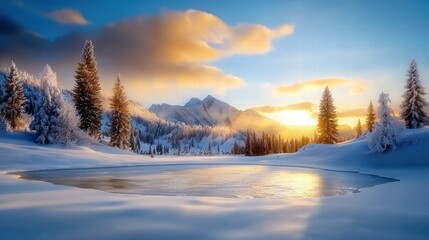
<point>212,180</point>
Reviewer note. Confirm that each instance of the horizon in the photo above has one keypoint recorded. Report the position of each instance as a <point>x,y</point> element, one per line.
<point>275,59</point>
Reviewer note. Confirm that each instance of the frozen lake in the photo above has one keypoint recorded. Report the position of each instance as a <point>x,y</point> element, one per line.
<point>212,180</point>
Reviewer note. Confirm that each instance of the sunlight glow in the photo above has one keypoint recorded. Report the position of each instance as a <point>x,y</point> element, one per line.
<point>293,118</point>
<point>300,185</point>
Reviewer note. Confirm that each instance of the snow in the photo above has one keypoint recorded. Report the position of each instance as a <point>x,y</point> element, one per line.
<point>39,210</point>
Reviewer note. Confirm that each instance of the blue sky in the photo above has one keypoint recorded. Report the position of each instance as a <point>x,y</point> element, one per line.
<point>368,41</point>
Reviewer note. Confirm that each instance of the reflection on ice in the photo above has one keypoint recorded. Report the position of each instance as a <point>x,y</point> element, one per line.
<point>235,181</point>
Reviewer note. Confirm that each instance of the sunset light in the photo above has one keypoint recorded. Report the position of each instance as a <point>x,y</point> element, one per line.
<point>214,119</point>
<point>293,118</point>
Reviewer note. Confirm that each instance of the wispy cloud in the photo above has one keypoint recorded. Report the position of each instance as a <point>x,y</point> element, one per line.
<point>352,113</point>
<point>68,16</point>
<point>302,106</point>
<point>356,85</point>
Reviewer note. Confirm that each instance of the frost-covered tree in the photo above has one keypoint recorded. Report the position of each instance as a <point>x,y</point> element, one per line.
<point>387,132</point>
<point>413,100</point>
<point>120,125</point>
<point>87,92</point>
<point>358,129</point>
<point>370,117</point>
<point>48,110</point>
<point>68,125</point>
<point>327,119</point>
<point>14,105</point>
<point>56,119</point>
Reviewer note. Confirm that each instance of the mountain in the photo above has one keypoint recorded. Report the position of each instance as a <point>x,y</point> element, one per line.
<point>213,112</point>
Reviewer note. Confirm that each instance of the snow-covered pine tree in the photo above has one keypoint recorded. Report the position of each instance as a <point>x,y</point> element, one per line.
<point>327,119</point>
<point>370,118</point>
<point>358,129</point>
<point>68,125</point>
<point>120,123</point>
<point>87,92</point>
<point>46,118</point>
<point>413,100</point>
<point>386,134</point>
<point>14,105</point>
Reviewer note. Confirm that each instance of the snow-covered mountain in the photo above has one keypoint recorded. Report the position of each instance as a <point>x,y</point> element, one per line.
<point>213,112</point>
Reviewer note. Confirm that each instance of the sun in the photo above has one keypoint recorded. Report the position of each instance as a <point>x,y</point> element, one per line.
<point>293,118</point>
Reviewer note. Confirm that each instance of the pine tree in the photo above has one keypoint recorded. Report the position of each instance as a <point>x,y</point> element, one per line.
<point>327,119</point>
<point>386,134</point>
<point>370,118</point>
<point>209,148</point>
<point>46,118</point>
<point>87,92</point>
<point>120,124</point>
<point>15,99</point>
<point>247,147</point>
<point>358,129</point>
<point>135,140</point>
<point>413,100</point>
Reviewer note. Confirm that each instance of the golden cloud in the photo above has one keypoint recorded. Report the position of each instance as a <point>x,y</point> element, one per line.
<point>302,106</point>
<point>170,51</point>
<point>357,85</point>
<point>173,49</point>
<point>349,113</point>
<point>352,113</point>
<point>68,16</point>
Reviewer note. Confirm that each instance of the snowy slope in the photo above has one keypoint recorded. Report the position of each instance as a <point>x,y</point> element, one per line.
<point>390,211</point>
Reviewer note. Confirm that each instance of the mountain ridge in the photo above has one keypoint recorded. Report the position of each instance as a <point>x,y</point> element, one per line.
<point>213,112</point>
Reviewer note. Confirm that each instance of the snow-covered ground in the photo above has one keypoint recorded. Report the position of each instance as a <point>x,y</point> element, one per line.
<point>39,210</point>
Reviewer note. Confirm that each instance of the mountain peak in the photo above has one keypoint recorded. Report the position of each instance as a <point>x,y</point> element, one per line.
<point>209,98</point>
<point>193,102</point>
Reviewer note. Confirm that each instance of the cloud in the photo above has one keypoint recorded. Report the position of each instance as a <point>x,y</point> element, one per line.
<point>8,26</point>
<point>68,16</point>
<point>302,106</point>
<point>352,113</point>
<point>357,85</point>
<point>348,113</point>
<point>255,39</point>
<point>172,50</point>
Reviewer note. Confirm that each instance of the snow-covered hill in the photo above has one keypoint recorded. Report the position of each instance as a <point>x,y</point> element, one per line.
<point>213,112</point>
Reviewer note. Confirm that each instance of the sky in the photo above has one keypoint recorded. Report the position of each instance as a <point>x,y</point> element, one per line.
<point>274,56</point>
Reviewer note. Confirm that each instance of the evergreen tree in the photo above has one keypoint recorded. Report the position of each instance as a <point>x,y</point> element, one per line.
<point>247,147</point>
<point>120,124</point>
<point>209,148</point>
<point>413,100</point>
<point>327,119</point>
<point>14,105</point>
<point>370,118</point>
<point>135,140</point>
<point>386,134</point>
<point>87,92</point>
<point>47,116</point>
<point>358,129</point>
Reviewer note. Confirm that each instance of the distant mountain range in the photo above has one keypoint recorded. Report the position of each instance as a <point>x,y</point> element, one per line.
<point>213,112</point>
